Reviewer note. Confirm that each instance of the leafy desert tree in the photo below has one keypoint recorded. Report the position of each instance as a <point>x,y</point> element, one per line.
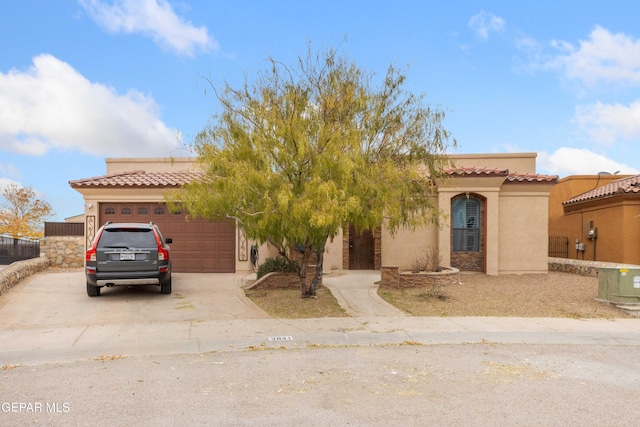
<point>304,151</point>
<point>22,213</point>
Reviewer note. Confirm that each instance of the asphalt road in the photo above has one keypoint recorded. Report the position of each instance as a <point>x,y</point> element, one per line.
<point>206,356</point>
<point>445,385</point>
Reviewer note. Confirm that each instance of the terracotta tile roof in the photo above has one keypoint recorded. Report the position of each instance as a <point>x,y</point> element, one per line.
<point>629,185</point>
<point>137,178</point>
<point>476,171</point>
<point>531,177</point>
<point>514,177</point>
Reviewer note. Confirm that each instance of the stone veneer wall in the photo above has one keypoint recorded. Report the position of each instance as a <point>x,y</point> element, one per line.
<point>392,277</point>
<point>15,272</point>
<point>64,251</point>
<point>583,267</point>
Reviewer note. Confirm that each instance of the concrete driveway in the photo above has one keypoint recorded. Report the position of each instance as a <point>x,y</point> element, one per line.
<point>59,299</point>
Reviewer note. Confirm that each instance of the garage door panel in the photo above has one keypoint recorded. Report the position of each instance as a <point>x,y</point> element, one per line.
<point>198,245</point>
<point>193,246</point>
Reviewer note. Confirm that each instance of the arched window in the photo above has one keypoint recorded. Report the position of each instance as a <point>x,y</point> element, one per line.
<point>466,224</point>
<point>110,211</point>
<point>125,211</point>
<point>159,210</point>
<point>143,211</point>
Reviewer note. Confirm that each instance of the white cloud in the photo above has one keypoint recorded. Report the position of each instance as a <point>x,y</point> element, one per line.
<point>154,18</point>
<point>53,106</point>
<point>484,23</point>
<point>579,161</point>
<point>605,57</point>
<point>606,123</point>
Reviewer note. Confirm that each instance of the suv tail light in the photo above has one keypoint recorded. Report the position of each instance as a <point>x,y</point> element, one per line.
<point>92,251</point>
<point>163,254</point>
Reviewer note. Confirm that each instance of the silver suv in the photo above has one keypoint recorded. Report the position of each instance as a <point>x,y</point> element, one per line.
<point>128,254</point>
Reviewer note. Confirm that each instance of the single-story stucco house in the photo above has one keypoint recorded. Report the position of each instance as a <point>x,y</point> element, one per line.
<point>496,209</point>
<point>597,217</point>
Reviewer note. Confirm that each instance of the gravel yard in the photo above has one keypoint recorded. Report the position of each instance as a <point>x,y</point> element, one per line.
<point>554,294</point>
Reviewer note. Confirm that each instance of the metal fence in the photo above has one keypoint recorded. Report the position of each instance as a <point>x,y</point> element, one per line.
<point>12,250</point>
<point>559,246</point>
<point>63,229</point>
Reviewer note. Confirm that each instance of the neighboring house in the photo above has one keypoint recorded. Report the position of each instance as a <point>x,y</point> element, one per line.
<point>598,216</point>
<point>496,220</point>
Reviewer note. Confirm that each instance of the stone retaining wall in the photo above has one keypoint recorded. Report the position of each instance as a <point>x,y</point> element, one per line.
<point>392,277</point>
<point>64,251</point>
<point>15,272</point>
<point>583,267</point>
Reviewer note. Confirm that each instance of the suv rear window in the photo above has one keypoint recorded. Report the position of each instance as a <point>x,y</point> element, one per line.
<point>127,238</point>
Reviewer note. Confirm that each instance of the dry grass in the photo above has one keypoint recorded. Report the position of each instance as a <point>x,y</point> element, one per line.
<point>287,303</point>
<point>529,295</point>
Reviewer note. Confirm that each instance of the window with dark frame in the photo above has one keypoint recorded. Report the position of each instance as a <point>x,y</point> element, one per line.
<point>466,225</point>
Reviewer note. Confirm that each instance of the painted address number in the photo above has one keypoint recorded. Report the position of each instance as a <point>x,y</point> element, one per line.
<point>282,338</point>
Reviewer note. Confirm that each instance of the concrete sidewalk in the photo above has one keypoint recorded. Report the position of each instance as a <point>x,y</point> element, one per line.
<point>66,344</point>
<point>357,293</point>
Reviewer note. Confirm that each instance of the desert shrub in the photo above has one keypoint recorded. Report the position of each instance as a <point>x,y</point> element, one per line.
<point>433,260</point>
<point>428,260</point>
<point>434,292</point>
<point>278,264</point>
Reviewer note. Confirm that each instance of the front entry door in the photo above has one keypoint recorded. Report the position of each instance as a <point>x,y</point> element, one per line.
<point>361,250</point>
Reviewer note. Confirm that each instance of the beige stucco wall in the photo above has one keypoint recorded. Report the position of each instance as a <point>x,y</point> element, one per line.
<point>158,164</point>
<point>402,248</point>
<point>515,162</point>
<point>523,240</point>
<point>333,254</point>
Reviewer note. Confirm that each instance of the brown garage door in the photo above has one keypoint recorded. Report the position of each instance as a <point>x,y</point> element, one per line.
<point>198,245</point>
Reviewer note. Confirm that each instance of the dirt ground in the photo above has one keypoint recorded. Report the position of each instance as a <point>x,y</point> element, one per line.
<point>554,294</point>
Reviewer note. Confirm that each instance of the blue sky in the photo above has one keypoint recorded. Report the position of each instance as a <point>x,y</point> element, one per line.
<point>84,80</point>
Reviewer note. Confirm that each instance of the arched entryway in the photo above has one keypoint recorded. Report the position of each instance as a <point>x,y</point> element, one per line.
<point>468,232</point>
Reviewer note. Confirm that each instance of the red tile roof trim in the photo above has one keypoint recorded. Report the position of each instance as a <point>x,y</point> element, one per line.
<point>629,185</point>
<point>475,172</point>
<point>515,177</point>
<point>138,178</point>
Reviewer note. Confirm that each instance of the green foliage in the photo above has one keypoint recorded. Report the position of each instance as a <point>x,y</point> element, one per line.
<point>304,151</point>
<point>277,264</point>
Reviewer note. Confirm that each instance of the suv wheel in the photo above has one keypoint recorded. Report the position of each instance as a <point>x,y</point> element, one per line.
<point>93,291</point>
<point>165,288</point>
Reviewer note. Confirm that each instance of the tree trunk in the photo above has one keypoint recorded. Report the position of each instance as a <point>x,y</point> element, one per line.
<point>317,278</point>
<point>309,290</point>
<point>305,288</point>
